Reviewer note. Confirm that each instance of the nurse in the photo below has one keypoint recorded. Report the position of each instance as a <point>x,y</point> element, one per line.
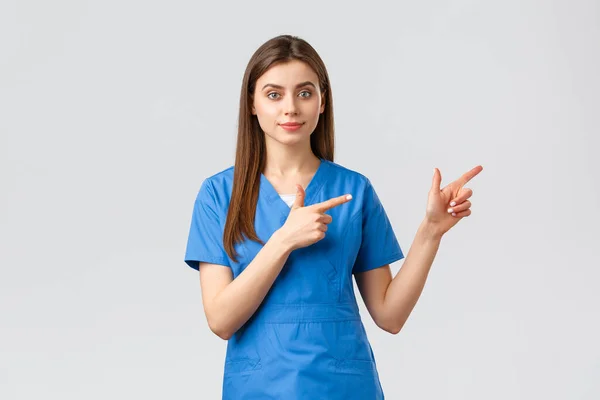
<point>278,236</point>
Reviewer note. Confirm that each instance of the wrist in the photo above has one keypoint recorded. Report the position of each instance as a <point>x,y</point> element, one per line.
<point>279,239</point>
<point>430,231</point>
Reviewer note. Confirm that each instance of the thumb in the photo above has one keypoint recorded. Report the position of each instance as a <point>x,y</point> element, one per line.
<point>437,180</point>
<point>299,201</point>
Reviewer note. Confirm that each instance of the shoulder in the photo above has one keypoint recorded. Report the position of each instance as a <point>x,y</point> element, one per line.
<point>220,179</point>
<point>356,183</point>
<point>349,176</point>
<point>216,188</point>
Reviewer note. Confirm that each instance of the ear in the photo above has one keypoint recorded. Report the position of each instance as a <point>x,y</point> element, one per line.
<point>322,103</point>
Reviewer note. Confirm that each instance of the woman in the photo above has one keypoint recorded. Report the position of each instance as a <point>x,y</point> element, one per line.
<point>277,237</point>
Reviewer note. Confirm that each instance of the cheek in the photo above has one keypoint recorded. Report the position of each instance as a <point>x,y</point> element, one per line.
<point>313,107</point>
<point>267,116</point>
<point>265,111</point>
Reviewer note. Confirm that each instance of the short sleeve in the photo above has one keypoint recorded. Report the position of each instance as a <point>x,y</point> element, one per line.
<point>205,240</point>
<point>379,245</point>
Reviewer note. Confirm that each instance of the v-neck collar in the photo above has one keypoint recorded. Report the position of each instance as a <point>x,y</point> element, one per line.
<point>273,198</point>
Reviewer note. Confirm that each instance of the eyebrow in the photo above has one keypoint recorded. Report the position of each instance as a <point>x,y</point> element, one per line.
<point>307,83</point>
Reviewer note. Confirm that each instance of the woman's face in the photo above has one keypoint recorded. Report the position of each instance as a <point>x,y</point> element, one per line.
<point>288,93</point>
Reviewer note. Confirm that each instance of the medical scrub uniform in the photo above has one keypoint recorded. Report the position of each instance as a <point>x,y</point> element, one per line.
<point>306,340</point>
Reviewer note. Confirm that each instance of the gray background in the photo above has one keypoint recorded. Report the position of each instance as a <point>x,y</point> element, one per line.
<point>113,112</point>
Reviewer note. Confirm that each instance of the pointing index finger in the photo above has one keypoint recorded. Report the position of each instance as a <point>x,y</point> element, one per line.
<point>334,202</point>
<point>467,176</point>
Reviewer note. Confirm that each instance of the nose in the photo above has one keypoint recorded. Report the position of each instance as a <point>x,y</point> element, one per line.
<point>290,106</point>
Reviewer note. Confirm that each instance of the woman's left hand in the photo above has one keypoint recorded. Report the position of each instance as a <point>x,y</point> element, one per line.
<point>447,206</point>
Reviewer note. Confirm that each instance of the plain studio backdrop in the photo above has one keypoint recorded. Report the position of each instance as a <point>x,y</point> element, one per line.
<point>113,112</point>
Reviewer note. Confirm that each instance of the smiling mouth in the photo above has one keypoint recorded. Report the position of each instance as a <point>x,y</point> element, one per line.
<point>290,127</point>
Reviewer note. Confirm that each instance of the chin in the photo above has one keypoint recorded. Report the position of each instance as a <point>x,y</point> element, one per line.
<point>288,138</point>
<point>292,140</point>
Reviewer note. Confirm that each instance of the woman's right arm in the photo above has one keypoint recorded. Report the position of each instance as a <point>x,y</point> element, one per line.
<point>229,303</point>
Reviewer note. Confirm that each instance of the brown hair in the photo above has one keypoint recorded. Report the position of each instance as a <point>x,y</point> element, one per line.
<point>251,150</point>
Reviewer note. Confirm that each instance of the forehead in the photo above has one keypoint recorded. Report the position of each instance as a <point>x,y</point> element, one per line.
<point>288,73</point>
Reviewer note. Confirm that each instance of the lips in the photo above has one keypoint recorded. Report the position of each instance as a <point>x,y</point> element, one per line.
<point>291,124</point>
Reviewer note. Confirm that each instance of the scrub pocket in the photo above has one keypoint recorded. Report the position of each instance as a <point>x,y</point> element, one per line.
<point>242,365</point>
<point>242,355</point>
<point>241,375</point>
<point>351,351</point>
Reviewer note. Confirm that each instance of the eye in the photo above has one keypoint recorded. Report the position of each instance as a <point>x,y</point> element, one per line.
<point>272,98</point>
<point>306,91</point>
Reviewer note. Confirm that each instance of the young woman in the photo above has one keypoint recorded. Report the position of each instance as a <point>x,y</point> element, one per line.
<point>278,236</point>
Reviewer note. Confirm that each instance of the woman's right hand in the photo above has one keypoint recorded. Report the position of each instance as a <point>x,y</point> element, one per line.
<point>307,225</point>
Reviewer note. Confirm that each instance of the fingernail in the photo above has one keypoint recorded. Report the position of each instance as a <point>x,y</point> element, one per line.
<point>349,197</point>
<point>454,214</point>
<point>452,204</point>
<point>450,210</point>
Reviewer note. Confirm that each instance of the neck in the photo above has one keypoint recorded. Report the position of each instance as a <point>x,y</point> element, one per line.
<point>285,160</point>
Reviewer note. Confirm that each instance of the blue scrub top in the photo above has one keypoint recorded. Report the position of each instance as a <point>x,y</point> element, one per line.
<point>306,340</point>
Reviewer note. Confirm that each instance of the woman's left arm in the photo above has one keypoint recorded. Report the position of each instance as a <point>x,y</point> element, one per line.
<point>390,301</point>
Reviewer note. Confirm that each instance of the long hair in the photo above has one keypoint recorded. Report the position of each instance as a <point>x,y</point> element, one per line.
<point>251,149</point>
